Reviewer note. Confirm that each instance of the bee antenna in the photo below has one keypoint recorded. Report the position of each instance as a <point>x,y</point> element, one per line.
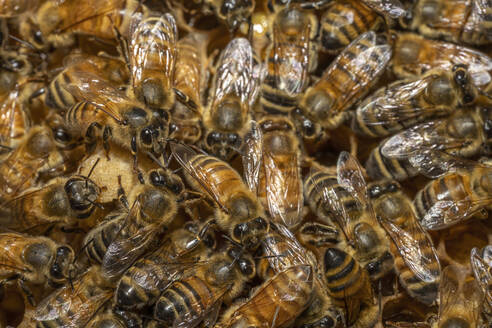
<point>233,242</point>
<point>6,147</point>
<point>94,203</point>
<point>23,42</point>
<point>152,157</point>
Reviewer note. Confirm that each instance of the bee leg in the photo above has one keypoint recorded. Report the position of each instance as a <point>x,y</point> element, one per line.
<point>91,136</point>
<point>36,94</point>
<point>107,134</point>
<point>133,146</point>
<point>122,195</point>
<point>27,292</point>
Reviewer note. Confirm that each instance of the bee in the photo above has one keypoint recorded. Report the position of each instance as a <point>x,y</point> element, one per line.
<point>455,21</point>
<point>346,80</point>
<point>413,55</point>
<point>234,90</point>
<point>416,260</point>
<point>344,197</point>
<point>407,102</point>
<point>55,24</point>
<point>272,168</point>
<point>36,260</point>
<point>142,283</point>
<point>313,134</point>
<point>239,211</point>
<point>73,306</point>
<point>37,154</point>
<point>108,114</point>
<point>186,130</point>
<point>481,263</point>
<point>290,58</point>
<point>126,234</point>
<point>9,8</point>
<point>79,69</point>
<point>276,303</point>
<point>116,319</point>
<point>62,200</point>
<point>152,56</point>
<point>234,13</point>
<point>458,194</point>
<point>190,74</point>
<point>201,292</point>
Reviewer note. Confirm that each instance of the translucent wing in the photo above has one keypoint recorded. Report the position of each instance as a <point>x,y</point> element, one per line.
<point>413,249</point>
<point>291,59</point>
<point>434,163</point>
<point>284,187</point>
<point>234,72</point>
<point>14,118</point>
<point>153,47</point>
<point>351,178</point>
<point>477,18</point>
<point>131,242</point>
<point>252,156</point>
<point>391,8</point>
<point>396,103</point>
<point>362,63</point>
<point>481,263</point>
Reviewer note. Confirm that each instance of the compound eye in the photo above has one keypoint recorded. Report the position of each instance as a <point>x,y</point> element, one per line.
<point>374,191</point>
<point>155,178</point>
<point>393,187</point>
<point>308,128</point>
<point>213,138</point>
<point>246,267</point>
<point>61,135</point>
<point>240,230</point>
<point>146,136</point>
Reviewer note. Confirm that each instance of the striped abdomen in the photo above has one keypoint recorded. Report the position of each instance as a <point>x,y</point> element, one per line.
<point>184,301</point>
<point>99,238</point>
<point>81,115</point>
<point>57,97</point>
<point>343,22</point>
<point>15,120</point>
<point>380,167</point>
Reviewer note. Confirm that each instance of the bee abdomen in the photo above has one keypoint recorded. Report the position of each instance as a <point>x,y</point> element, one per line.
<point>342,273</point>
<point>380,167</point>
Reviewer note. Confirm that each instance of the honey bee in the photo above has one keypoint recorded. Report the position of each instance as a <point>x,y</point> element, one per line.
<point>417,265</point>
<point>190,74</point>
<point>456,20</point>
<point>234,90</point>
<point>276,303</point>
<point>481,263</point>
<point>347,79</point>
<point>408,102</point>
<point>55,23</point>
<point>152,56</point>
<point>36,260</point>
<point>239,211</point>
<point>80,69</point>
<point>185,130</point>
<point>37,154</point>
<point>413,55</point>
<point>199,295</point>
<point>234,13</point>
<point>272,168</point>
<point>142,283</point>
<point>290,58</point>
<point>126,234</point>
<point>73,306</point>
<point>460,193</point>
<point>62,200</point>
<point>345,198</point>
<point>116,319</point>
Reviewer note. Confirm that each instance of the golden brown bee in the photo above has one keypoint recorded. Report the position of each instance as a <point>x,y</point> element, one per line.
<point>227,115</point>
<point>201,291</point>
<point>290,58</point>
<point>116,319</point>
<point>232,12</point>
<point>73,305</point>
<point>413,55</point>
<point>239,211</point>
<point>55,23</point>
<point>80,69</point>
<point>36,260</point>
<point>190,72</point>
<point>61,201</point>
<point>152,56</point>
<point>37,154</point>
<point>143,282</point>
<point>344,198</point>
<point>455,20</point>
<point>272,161</point>
<point>416,260</point>
<point>276,303</point>
<point>126,234</point>
<point>404,103</point>
<point>481,263</point>
<point>464,134</point>
<point>347,79</point>
<point>462,192</point>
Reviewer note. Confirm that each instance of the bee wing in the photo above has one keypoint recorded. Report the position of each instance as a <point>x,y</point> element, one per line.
<point>477,18</point>
<point>458,290</point>
<point>283,187</point>
<point>363,61</point>
<point>396,103</point>
<point>482,268</point>
<point>412,249</point>
<point>234,72</point>
<point>129,244</point>
<point>445,213</point>
<point>252,156</point>
<point>14,118</point>
<point>157,41</point>
<point>291,60</point>
<point>184,154</point>
<point>391,8</point>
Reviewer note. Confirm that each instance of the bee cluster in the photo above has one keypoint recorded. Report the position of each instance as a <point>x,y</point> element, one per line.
<point>186,163</point>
